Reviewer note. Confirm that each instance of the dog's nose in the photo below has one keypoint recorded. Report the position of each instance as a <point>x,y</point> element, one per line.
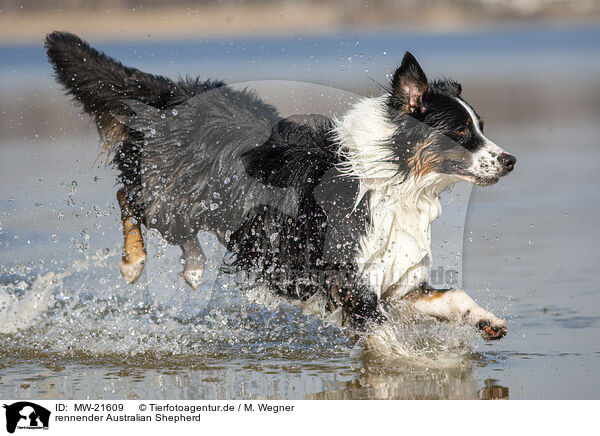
<point>508,161</point>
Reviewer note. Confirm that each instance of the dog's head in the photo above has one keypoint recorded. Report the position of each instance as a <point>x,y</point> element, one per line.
<point>440,132</point>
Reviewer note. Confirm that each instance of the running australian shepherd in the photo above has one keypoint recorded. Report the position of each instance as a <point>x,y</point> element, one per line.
<point>335,210</point>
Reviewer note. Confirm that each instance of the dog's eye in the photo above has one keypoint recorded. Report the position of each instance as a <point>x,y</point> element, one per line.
<point>462,131</point>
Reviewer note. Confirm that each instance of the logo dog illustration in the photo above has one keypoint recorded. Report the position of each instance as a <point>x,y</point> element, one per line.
<point>28,415</point>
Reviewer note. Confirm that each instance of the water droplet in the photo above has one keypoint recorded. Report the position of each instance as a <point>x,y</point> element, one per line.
<point>72,188</point>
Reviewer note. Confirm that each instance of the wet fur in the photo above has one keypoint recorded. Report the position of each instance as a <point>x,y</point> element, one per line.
<point>302,202</point>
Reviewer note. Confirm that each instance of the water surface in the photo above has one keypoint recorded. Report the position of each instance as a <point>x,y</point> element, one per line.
<point>71,328</point>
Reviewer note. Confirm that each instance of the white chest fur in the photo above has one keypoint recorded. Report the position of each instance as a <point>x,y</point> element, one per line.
<point>395,252</point>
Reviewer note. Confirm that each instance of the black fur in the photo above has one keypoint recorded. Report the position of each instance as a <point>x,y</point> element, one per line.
<point>201,156</point>
<point>428,113</point>
<point>102,85</point>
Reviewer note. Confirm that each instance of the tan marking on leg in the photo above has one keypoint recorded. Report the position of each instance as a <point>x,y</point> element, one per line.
<point>432,294</point>
<point>134,254</point>
<point>426,294</point>
<point>134,243</point>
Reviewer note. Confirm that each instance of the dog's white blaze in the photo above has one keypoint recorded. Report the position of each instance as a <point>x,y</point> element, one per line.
<point>395,252</point>
<point>485,160</point>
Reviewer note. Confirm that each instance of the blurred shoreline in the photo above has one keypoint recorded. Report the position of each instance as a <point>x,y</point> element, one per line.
<point>233,20</point>
<point>519,60</point>
<point>30,116</point>
<point>513,76</point>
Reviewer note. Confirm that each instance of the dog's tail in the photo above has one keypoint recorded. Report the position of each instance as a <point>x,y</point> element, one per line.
<point>104,86</point>
<point>101,83</point>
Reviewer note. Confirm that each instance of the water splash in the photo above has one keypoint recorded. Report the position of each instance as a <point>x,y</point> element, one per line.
<point>88,313</point>
<point>418,339</point>
<point>21,304</point>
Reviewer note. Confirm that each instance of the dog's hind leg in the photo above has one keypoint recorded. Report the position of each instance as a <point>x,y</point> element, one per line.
<point>456,305</point>
<point>134,254</point>
<point>193,262</point>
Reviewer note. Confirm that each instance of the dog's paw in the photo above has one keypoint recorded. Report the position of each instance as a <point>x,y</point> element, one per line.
<point>193,277</point>
<point>491,330</point>
<point>131,271</point>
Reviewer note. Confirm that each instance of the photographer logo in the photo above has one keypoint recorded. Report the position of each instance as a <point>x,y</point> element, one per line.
<point>26,415</point>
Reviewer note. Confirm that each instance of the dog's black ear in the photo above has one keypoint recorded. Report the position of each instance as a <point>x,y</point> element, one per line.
<point>447,86</point>
<point>457,89</point>
<point>409,84</point>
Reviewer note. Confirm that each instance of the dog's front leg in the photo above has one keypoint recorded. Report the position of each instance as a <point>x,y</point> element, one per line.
<point>456,305</point>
